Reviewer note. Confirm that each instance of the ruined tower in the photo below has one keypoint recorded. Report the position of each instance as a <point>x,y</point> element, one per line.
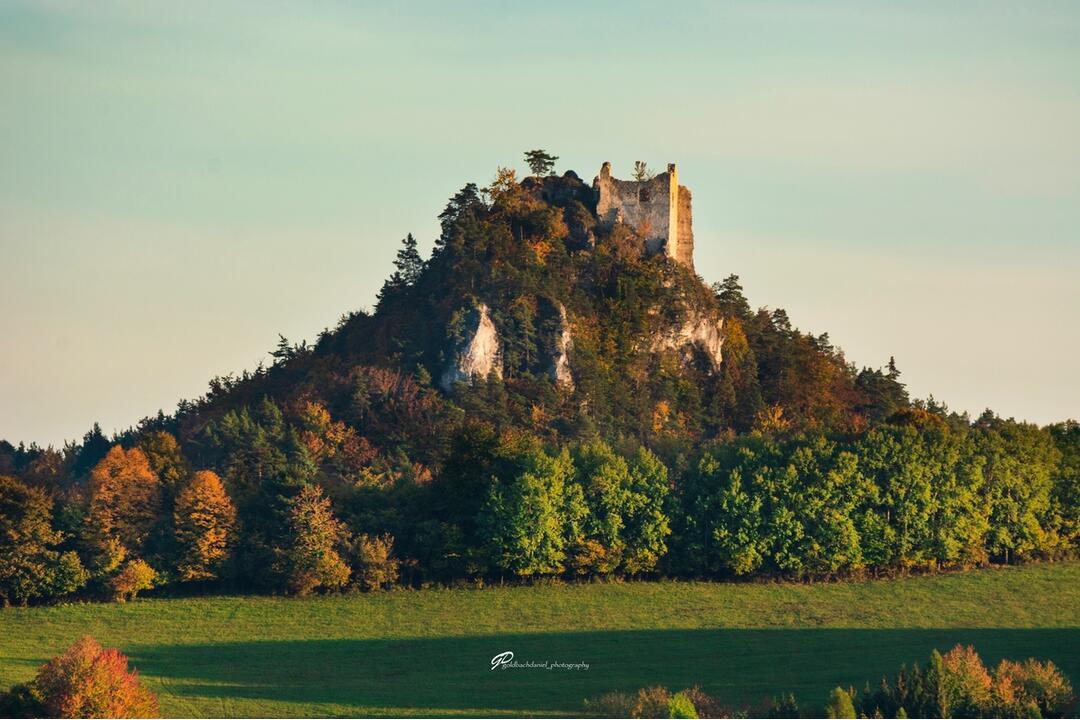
<point>657,208</point>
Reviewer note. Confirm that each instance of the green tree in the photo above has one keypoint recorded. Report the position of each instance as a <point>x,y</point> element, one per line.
<point>531,513</point>
<point>30,565</point>
<point>540,162</point>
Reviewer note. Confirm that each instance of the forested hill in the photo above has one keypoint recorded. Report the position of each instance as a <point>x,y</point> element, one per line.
<point>539,397</point>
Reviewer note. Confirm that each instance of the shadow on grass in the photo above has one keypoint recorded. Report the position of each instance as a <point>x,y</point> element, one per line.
<point>740,666</point>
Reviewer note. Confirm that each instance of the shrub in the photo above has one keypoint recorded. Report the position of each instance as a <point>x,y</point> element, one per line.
<point>87,680</point>
<point>839,704</point>
<point>611,705</point>
<point>135,576</point>
<point>651,702</point>
<point>783,707</point>
<point>680,706</point>
<point>706,705</point>
<point>1031,689</point>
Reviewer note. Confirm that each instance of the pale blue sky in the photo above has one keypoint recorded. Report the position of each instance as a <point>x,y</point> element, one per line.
<point>180,182</point>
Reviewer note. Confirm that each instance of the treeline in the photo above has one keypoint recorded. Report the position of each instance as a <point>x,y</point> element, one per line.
<point>293,501</point>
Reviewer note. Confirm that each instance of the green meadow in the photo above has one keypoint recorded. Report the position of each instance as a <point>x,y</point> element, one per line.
<point>429,652</point>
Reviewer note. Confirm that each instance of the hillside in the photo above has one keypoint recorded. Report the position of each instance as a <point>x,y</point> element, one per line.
<point>554,392</point>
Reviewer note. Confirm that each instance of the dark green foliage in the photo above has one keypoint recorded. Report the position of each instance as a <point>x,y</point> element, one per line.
<point>540,162</point>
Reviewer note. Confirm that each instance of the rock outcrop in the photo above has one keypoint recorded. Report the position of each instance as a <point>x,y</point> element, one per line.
<point>560,357</point>
<point>698,333</point>
<point>478,355</point>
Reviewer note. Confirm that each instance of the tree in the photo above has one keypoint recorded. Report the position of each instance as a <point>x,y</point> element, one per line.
<point>642,171</point>
<point>89,681</point>
<point>166,460</point>
<point>311,559</point>
<point>540,162</point>
<point>408,266</point>
<point>205,520</point>
<point>530,513</point>
<point>30,567</point>
<point>132,579</point>
<point>733,302</point>
<point>125,499</point>
<point>376,566</point>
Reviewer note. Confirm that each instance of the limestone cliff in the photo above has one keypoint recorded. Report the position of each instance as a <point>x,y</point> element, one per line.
<point>698,332</point>
<point>479,352</point>
<point>560,358</point>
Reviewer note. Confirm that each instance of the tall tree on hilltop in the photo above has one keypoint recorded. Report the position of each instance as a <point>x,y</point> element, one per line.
<point>540,162</point>
<point>730,295</point>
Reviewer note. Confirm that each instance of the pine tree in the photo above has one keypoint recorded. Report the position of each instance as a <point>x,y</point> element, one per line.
<point>540,162</point>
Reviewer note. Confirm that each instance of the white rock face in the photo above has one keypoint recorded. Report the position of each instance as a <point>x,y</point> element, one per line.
<point>479,355</point>
<point>697,332</point>
<point>560,359</point>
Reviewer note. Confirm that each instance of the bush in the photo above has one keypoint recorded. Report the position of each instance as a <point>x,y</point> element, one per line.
<point>1031,689</point>
<point>964,687</point>
<point>89,681</point>
<point>680,706</point>
<point>611,705</point>
<point>706,705</point>
<point>839,704</point>
<point>783,707</point>
<point>651,702</point>
<point>134,577</point>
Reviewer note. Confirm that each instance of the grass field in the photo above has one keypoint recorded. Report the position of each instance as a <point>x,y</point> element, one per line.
<point>428,652</point>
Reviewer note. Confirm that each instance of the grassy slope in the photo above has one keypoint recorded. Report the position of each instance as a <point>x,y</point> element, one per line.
<point>428,652</point>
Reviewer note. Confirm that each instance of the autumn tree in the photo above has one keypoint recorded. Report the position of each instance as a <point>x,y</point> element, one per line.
<point>89,681</point>
<point>204,521</point>
<point>125,499</point>
<point>540,162</point>
<point>374,561</point>
<point>311,559</point>
<point>166,460</point>
<point>30,566</point>
<point>134,577</point>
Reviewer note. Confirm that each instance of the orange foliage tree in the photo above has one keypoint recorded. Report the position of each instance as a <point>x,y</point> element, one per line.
<point>125,499</point>
<point>205,519</point>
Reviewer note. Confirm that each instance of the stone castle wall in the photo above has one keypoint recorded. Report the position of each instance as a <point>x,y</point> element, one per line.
<point>657,208</point>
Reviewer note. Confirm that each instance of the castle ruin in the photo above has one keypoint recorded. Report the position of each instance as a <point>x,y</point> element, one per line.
<point>658,209</point>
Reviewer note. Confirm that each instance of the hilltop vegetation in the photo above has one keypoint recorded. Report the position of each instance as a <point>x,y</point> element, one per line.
<point>345,464</point>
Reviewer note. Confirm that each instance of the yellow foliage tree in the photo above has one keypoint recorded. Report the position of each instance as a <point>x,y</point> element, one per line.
<point>205,519</point>
<point>125,499</point>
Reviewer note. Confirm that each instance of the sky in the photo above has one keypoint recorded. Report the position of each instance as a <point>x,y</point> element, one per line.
<point>181,182</point>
